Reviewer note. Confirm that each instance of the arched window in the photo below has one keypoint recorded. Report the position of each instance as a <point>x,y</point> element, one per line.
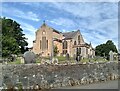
<point>47,44</point>
<point>86,51</point>
<point>44,43</point>
<point>79,50</point>
<point>40,44</point>
<point>79,39</point>
<point>75,43</point>
<point>43,32</point>
<point>65,45</point>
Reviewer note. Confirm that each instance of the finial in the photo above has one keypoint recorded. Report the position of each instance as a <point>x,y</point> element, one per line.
<point>44,21</point>
<point>90,42</point>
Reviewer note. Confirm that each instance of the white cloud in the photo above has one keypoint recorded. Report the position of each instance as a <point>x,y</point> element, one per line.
<point>30,32</point>
<point>30,37</point>
<point>65,22</point>
<point>60,1</point>
<point>18,13</point>
<point>101,18</point>
<point>28,27</point>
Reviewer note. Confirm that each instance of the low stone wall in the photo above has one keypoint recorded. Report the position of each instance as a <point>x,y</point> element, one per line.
<point>52,76</point>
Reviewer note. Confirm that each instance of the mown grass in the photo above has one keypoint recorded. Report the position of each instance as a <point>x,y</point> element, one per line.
<point>62,59</point>
<point>17,61</point>
<point>94,60</point>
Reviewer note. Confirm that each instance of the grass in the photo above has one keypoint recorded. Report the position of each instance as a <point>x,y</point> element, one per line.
<point>62,59</point>
<point>94,60</point>
<point>17,61</point>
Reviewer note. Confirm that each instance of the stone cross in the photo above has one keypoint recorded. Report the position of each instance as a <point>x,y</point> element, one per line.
<point>29,57</point>
<point>111,56</point>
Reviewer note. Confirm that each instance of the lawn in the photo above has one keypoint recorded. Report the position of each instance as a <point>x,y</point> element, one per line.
<point>62,59</point>
<point>17,61</point>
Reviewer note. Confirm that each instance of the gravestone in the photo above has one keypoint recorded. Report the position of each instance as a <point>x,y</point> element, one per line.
<point>67,57</point>
<point>55,61</point>
<point>29,57</point>
<point>78,58</point>
<point>111,56</point>
<point>74,57</point>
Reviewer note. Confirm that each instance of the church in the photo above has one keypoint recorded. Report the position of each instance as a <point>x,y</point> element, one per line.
<point>71,43</point>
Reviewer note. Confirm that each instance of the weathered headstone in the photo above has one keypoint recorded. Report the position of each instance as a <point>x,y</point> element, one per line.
<point>29,57</point>
<point>75,58</point>
<point>78,58</point>
<point>67,57</point>
<point>55,61</point>
<point>111,56</point>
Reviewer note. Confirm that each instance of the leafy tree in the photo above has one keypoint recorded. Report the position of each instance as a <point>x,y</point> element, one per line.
<point>104,49</point>
<point>13,40</point>
<point>56,51</point>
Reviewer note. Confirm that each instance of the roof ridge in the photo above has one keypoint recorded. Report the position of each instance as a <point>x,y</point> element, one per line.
<point>44,24</point>
<point>70,31</point>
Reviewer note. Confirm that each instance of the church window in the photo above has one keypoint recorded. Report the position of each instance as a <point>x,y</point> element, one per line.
<point>47,44</point>
<point>43,43</point>
<point>79,50</point>
<point>40,44</point>
<point>86,51</point>
<point>79,39</point>
<point>65,45</point>
<point>75,43</point>
<point>43,32</point>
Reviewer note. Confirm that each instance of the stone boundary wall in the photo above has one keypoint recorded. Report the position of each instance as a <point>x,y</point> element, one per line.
<point>53,76</point>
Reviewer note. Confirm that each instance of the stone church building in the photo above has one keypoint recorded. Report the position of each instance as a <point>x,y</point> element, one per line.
<point>66,42</point>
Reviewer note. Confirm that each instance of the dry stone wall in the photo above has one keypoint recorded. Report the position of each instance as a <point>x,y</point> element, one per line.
<point>52,76</point>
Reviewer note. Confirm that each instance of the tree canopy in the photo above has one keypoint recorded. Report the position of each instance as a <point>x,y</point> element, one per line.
<point>13,40</point>
<point>56,51</point>
<point>104,49</point>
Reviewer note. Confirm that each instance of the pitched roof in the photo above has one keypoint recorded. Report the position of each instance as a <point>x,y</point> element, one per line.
<point>70,35</point>
<point>56,31</point>
<point>44,24</point>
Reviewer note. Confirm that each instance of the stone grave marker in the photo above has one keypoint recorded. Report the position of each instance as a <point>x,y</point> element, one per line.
<point>67,57</point>
<point>29,57</point>
<point>55,61</point>
<point>111,56</point>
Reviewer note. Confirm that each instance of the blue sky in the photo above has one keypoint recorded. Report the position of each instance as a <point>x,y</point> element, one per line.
<point>97,21</point>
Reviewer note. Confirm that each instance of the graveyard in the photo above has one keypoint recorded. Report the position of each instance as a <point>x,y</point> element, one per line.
<point>36,59</point>
<point>27,73</point>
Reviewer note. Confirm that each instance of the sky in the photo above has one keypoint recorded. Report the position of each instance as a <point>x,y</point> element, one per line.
<point>97,21</point>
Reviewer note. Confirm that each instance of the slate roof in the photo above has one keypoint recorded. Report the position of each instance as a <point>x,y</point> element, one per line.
<point>44,24</point>
<point>56,31</point>
<point>69,35</point>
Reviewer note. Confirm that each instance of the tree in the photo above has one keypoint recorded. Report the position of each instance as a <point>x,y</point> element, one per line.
<point>13,40</point>
<point>56,51</point>
<point>104,49</point>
